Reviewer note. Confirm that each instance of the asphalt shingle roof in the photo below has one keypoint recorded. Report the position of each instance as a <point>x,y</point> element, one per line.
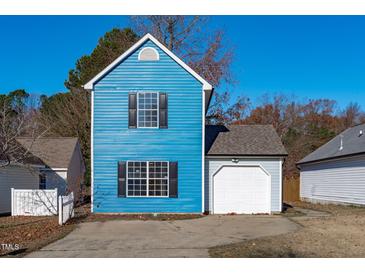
<point>53,152</point>
<point>352,143</point>
<point>243,140</point>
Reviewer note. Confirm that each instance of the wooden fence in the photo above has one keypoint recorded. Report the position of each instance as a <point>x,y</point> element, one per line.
<point>33,202</point>
<point>291,189</point>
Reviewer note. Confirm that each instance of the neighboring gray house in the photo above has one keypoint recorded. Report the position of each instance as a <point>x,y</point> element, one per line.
<point>335,172</point>
<point>243,169</point>
<point>52,163</point>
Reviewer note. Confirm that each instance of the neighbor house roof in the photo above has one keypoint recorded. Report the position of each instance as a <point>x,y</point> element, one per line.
<point>208,89</point>
<point>353,143</point>
<point>53,152</point>
<point>244,140</point>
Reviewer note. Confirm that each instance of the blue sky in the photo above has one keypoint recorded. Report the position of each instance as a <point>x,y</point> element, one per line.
<point>302,56</point>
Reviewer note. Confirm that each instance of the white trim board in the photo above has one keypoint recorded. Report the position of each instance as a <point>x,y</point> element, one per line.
<point>245,157</point>
<point>203,151</point>
<point>92,153</point>
<point>90,84</point>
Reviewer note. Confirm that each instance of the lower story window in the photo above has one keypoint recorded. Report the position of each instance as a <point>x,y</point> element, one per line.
<point>147,179</point>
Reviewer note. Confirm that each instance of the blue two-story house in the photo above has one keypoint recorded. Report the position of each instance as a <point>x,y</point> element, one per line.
<point>151,151</point>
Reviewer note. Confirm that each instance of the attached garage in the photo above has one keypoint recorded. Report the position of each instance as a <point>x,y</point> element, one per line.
<point>243,170</point>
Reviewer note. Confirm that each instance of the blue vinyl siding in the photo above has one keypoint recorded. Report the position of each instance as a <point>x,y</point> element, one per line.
<point>114,141</point>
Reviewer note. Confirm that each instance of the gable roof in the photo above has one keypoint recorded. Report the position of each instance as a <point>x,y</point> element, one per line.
<point>353,143</point>
<point>53,152</point>
<point>243,140</point>
<point>90,84</point>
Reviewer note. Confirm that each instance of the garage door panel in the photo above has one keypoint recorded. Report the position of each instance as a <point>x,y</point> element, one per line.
<point>241,190</point>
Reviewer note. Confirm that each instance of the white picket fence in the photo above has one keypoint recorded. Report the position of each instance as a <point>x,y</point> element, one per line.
<point>66,208</point>
<point>33,202</point>
<point>42,202</point>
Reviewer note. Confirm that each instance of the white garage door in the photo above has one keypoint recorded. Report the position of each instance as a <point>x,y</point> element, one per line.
<point>239,189</point>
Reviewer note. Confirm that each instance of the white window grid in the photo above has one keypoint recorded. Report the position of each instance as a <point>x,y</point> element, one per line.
<point>148,109</point>
<point>156,176</point>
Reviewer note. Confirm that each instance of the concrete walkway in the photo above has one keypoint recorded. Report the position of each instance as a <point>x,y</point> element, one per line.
<point>183,238</point>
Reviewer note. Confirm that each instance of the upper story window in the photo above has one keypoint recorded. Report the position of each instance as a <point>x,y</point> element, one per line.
<point>147,110</point>
<point>148,54</point>
<point>147,106</point>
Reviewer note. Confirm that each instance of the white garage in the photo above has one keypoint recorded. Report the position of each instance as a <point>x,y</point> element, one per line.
<point>243,169</point>
<point>241,189</point>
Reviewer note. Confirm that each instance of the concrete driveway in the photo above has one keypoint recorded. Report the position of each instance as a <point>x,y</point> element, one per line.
<point>183,238</point>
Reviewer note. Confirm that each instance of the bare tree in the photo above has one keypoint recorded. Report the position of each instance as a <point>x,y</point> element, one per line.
<point>352,115</point>
<point>206,52</point>
<point>18,118</point>
<point>69,115</point>
<point>223,112</point>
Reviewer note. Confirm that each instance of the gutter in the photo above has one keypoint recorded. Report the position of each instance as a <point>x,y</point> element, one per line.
<point>329,159</point>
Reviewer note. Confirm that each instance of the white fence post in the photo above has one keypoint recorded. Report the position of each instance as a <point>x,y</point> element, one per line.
<point>60,209</point>
<point>12,201</point>
<point>65,208</point>
<point>57,206</point>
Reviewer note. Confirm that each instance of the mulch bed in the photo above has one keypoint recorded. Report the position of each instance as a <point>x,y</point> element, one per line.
<point>83,215</point>
<point>141,217</point>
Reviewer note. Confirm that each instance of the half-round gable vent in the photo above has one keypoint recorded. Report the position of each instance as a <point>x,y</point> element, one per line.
<point>148,54</point>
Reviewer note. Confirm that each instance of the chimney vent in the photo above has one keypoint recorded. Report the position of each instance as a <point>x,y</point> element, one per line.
<point>361,132</point>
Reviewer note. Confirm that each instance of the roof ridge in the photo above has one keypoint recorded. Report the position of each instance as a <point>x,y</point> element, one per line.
<point>252,125</point>
<point>360,124</point>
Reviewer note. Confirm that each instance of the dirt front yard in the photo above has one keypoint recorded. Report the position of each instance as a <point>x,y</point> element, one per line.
<point>341,233</point>
<point>20,235</point>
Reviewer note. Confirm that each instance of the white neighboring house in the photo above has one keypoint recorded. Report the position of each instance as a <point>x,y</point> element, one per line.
<point>52,163</point>
<point>335,172</point>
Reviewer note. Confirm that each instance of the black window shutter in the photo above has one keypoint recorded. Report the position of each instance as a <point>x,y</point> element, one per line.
<point>163,110</point>
<point>122,179</point>
<point>173,175</point>
<point>132,110</point>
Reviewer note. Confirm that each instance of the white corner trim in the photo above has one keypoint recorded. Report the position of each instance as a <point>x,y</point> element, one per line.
<point>143,49</point>
<point>281,185</point>
<point>92,153</point>
<point>203,151</point>
<point>90,84</point>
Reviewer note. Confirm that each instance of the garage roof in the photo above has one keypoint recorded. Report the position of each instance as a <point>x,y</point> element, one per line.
<point>53,152</point>
<point>243,140</point>
<point>353,143</point>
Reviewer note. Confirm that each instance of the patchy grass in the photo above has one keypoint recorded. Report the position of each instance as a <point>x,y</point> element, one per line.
<point>340,234</point>
<point>20,235</point>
